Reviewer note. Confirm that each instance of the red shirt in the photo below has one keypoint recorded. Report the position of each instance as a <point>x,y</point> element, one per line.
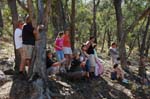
<point>66,41</point>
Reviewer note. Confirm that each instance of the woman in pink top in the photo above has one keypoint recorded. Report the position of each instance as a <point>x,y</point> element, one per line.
<point>59,46</point>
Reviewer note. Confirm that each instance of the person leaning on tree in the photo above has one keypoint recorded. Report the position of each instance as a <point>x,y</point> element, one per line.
<point>28,42</point>
<point>18,44</point>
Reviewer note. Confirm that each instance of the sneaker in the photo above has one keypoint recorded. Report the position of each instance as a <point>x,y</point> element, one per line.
<point>125,81</point>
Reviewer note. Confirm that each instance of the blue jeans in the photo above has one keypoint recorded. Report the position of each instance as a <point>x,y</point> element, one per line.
<point>87,66</point>
<point>60,55</point>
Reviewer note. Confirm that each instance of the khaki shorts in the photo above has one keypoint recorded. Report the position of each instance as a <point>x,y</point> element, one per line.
<point>27,51</point>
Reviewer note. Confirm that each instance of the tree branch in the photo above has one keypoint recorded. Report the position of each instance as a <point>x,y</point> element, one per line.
<point>46,13</point>
<point>32,13</point>
<point>23,5</point>
<point>144,14</point>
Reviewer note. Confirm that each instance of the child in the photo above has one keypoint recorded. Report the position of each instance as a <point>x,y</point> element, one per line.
<point>59,46</point>
<point>76,70</point>
<point>52,67</point>
<point>117,74</point>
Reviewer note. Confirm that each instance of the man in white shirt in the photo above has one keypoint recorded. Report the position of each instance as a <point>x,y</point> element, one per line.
<point>18,45</point>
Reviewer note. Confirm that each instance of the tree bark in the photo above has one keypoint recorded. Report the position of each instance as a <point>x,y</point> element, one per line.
<point>72,36</point>
<point>23,5</point>
<point>14,13</point>
<point>143,47</point>
<point>38,64</point>
<point>94,27</point>
<point>121,35</point>
<point>1,22</point>
<point>103,44</point>
<point>1,19</point>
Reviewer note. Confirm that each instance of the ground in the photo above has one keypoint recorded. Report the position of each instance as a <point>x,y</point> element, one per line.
<point>63,88</point>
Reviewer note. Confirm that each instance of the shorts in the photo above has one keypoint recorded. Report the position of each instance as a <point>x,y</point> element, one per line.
<point>92,60</point>
<point>67,50</point>
<point>53,70</point>
<point>27,51</point>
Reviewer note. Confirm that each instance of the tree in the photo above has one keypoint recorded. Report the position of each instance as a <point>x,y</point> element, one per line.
<point>94,29</point>
<point>38,65</point>
<point>143,48</point>
<point>1,19</point>
<point>72,26</point>
<point>121,35</point>
<point>13,7</point>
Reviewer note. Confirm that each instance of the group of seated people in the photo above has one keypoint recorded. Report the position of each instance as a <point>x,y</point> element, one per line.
<point>79,65</point>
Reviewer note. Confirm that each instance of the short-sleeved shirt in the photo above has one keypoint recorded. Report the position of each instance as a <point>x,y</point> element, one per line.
<point>75,65</point>
<point>18,38</point>
<point>90,50</point>
<point>49,62</point>
<point>27,34</point>
<point>66,41</point>
<point>59,43</point>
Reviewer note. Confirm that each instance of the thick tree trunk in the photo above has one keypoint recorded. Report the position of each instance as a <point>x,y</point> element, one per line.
<point>142,70</point>
<point>72,36</point>
<point>14,14</point>
<point>94,26</point>
<point>38,64</point>
<point>121,35</point>
<point>143,47</point>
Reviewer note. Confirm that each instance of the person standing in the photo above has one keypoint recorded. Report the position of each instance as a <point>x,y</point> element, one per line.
<point>59,46</point>
<point>90,51</point>
<point>114,53</point>
<point>28,41</point>
<point>18,44</point>
<point>67,48</point>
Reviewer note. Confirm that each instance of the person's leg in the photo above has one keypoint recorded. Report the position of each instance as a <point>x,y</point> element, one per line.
<point>87,67</point>
<point>61,55</point>
<point>17,61</point>
<point>58,54</point>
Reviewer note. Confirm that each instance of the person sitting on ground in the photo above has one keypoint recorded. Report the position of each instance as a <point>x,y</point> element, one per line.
<point>117,74</point>
<point>52,67</point>
<point>76,70</point>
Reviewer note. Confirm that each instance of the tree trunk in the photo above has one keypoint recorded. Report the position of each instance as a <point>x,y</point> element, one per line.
<point>14,14</point>
<point>72,36</point>
<point>94,20</point>
<point>94,26</point>
<point>103,44</point>
<point>1,19</point>
<point>143,47</point>
<point>108,39</point>
<point>1,22</point>
<point>121,35</point>
<point>148,46</point>
<point>38,64</point>
<point>142,71</point>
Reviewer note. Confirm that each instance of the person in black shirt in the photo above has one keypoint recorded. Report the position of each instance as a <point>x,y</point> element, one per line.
<point>52,67</point>
<point>28,40</point>
<point>90,45</point>
<point>76,70</point>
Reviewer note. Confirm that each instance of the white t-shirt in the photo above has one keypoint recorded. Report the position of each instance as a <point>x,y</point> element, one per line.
<point>18,38</point>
